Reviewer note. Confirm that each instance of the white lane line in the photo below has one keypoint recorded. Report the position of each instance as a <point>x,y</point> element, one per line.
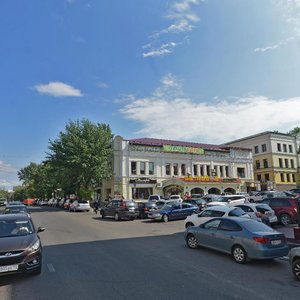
<point>51,268</point>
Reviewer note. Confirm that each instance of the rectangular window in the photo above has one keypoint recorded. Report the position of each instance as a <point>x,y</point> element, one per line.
<point>265,163</point>
<point>168,169</point>
<point>195,170</point>
<point>279,147</point>
<point>226,171</point>
<point>264,148</point>
<point>151,168</point>
<point>259,177</point>
<point>280,163</point>
<point>267,177</point>
<point>241,172</point>
<point>290,148</point>
<point>294,177</point>
<point>133,167</point>
<point>208,170</point>
<point>288,178</point>
<point>142,168</point>
<point>292,164</point>
<point>286,162</point>
<point>284,148</point>
<point>282,177</point>
<point>183,170</point>
<point>257,164</point>
<point>175,169</point>
<point>256,149</point>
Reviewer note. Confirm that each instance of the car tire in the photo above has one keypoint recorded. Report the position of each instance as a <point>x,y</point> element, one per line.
<point>117,217</point>
<point>251,201</point>
<point>296,268</point>
<point>102,214</point>
<point>191,241</point>
<point>165,218</point>
<point>189,224</point>
<point>239,254</point>
<point>285,219</point>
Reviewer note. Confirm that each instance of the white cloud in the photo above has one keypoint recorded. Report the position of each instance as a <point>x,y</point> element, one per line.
<point>183,17</point>
<point>102,85</point>
<point>7,167</point>
<point>223,120</point>
<point>8,184</point>
<point>58,89</point>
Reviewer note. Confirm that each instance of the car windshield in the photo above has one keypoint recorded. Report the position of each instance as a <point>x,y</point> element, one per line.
<point>166,207</point>
<point>221,199</point>
<point>15,210</point>
<point>255,226</point>
<point>83,201</point>
<point>237,212</point>
<point>10,228</point>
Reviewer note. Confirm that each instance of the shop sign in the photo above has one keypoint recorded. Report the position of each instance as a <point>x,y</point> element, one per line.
<point>182,149</point>
<point>144,148</point>
<point>211,179</point>
<point>143,181</point>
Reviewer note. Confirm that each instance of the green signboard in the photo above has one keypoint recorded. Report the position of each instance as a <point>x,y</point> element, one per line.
<point>182,149</point>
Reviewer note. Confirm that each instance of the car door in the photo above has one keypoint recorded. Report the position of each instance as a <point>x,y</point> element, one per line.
<point>207,233</point>
<point>176,212</point>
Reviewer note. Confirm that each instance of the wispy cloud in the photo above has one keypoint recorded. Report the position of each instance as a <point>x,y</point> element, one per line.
<point>58,89</point>
<point>290,10</point>
<point>7,168</point>
<point>183,19</point>
<point>217,121</point>
<point>102,85</point>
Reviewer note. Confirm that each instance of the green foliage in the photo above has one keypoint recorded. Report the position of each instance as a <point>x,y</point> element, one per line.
<point>20,193</point>
<point>294,131</point>
<point>3,194</point>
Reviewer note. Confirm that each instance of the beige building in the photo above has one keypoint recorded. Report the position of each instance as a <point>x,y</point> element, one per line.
<point>154,166</point>
<point>276,161</point>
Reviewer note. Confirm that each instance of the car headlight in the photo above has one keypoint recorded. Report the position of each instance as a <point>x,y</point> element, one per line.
<point>35,246</point>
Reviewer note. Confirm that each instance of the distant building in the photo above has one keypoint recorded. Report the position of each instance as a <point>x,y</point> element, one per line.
<point>155,166</point>
<point>276,159</point>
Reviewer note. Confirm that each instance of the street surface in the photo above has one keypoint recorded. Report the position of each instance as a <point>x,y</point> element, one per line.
<point>85,257</point>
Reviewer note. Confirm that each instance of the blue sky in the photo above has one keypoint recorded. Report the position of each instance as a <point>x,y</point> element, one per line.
<point>205,71</point>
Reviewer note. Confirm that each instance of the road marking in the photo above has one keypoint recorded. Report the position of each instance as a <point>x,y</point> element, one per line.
<point>51,268</point>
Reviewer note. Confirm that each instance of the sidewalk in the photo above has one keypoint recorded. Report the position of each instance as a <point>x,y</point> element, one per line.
<point>288,231</point>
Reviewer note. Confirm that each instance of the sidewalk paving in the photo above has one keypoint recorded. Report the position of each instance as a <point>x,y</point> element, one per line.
<point>288,231</point>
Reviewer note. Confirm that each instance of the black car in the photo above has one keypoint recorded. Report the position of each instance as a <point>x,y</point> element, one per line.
<point>120,209</point>
<point>145,207</point>
<point>201,203</point>
<point>16,209</point>
<point>20,245</point>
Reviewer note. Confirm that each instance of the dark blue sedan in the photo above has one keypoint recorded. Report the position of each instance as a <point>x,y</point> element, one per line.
<point>173,211</point>
<point>243,238</point>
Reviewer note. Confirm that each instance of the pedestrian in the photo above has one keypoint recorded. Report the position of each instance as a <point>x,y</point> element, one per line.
<point>96,207</point>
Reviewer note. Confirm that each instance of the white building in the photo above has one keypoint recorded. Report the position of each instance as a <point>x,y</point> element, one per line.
<point>154,166</point>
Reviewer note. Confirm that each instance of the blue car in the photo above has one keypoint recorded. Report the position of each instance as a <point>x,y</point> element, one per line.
<point>173,211</point>
<point>243,238</point>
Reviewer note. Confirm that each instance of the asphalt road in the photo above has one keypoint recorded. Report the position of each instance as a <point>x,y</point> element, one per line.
<point>85,257</point>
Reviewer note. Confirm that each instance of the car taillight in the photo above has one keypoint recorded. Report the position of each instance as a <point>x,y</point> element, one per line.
<point>146,209</point>
<point>261,240</point>
<point>295,209</point>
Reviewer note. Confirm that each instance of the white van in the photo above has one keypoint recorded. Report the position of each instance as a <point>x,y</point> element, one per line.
<point>228,200</point>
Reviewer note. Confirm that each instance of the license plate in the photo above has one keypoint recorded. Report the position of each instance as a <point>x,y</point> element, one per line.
<point>276,242</point>
<point>8,268</point>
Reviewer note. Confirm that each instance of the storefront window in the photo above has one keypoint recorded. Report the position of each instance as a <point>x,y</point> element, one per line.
<point>175,169</point>
<point>151,168</point>
<point>141,193</point>
<point>241,172</point>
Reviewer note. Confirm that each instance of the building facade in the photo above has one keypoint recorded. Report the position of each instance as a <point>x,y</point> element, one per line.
<point>276,161</point>
<point>146,166</point>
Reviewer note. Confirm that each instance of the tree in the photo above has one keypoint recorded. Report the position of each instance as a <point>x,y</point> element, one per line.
<point>3,194</point>
<point>81,155</point>
<point>294,131</point>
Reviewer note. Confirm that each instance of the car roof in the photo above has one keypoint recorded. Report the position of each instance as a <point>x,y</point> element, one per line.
<point>11,217</point>
<point>15,206</point>
<point>237,219</point>
<point>224,208</point>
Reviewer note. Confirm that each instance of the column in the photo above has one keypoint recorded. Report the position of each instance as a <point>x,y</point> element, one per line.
<point>172,171</point>
<point>146,168</point>
<point>198,170</point>
<point>179,169</point>
<point>205,170</point>
<point>224,171</point>
<point>138,168</point>
<point>218,171</point>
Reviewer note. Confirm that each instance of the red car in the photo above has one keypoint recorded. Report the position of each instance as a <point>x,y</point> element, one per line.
<point>286,209</point>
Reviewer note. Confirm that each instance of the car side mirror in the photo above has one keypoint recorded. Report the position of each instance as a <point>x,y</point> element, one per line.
<point>41,229</point>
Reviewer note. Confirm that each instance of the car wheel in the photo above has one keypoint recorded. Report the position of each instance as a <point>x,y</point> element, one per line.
<point>117,217</point>
<point>191,241</point>
<point>165,218</point>
<point>251,201</point>
<point>102,214</point>
<point>189,224</point>
<point>296,268</point>
<point>239,254</point>
<point>285,219</point>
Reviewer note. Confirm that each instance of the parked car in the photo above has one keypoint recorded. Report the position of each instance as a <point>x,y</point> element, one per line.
<point>120,209</point>
<point>227,200</point>
<point>28,201</point>
<point>80,205</point>
<point>176,198</point>
<point>260,212</point>
<point>213,212</point>
<point>173,211</point>
<point>16,202</point>
<point>144,208</point>
<point>259,196</point>
<point>16,209</point>
<point>3,202</point>
<point>285,209</point>
<point>243,238</point>
<point>155,198</point>
<point>67,203</point>
<point>201,203</point>
<point>20,245</point>
<point>43,202</point>
<point>294,258</point>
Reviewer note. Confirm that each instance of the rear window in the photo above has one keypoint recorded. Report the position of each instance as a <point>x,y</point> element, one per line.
<point>255,226</point>
<point>83,201</point>
<point>237,212</point>
<point>153,197</point>
<point>263,208</point>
